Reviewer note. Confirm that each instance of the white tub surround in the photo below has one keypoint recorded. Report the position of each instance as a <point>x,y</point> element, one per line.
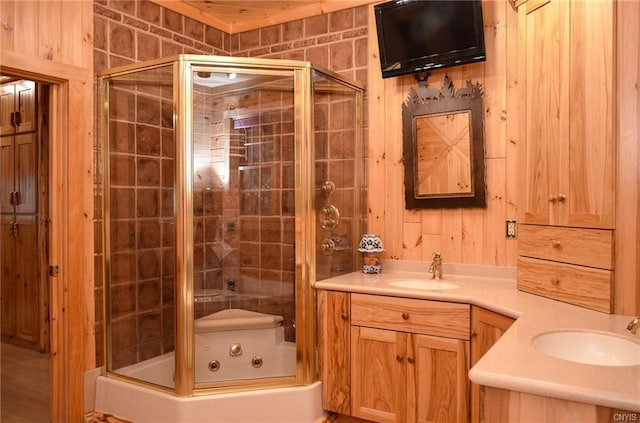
<point>143,405</point>
<point>512,363</point>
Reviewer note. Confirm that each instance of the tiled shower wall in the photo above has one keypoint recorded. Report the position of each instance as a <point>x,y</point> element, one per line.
<point>128,32</point>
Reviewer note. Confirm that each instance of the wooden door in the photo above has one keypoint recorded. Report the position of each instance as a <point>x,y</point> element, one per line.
<point>437,372</point>
<point>7,176</point>
<point>26,174</point>
<point>17,107</point>
<point>27,283</point>
<point>588,168</point>
<point>486,328</point>
<point>334,351</point>
<point>7,279</point>
<point>25,100</point>
<point>378,374</point>
<point>546,106</point>
<point>7,107</point>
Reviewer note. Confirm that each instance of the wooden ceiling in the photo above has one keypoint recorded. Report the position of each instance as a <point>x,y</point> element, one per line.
<point>233,16</point>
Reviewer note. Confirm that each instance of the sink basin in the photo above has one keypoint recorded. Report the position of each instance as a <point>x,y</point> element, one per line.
<point>599,348</point>
<point>422,284</point>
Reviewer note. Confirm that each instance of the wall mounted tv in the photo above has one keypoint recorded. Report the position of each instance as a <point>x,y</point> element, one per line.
<point>422,35</point>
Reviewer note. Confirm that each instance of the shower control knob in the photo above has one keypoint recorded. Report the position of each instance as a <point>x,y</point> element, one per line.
<point>256,362</point>
<point>214,365</point>
<point>328,187</point>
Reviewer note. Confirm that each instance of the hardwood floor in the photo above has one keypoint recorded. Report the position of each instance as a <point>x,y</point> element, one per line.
<point>24,385</point>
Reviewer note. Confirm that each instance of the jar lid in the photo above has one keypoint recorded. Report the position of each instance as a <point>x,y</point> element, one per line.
<point>370,243</point>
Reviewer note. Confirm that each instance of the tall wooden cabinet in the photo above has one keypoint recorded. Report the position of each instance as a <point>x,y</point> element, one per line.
<point>569,153</point>
<point>20,293</point>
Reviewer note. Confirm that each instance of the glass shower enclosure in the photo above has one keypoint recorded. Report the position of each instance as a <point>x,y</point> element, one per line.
<point>230,185</point>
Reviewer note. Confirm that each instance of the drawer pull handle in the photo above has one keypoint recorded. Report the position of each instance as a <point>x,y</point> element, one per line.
<point>555,281</point>
<point>405,316</point>
<point>556,244</point>
<point>399,357</point>
<point>411,360</point>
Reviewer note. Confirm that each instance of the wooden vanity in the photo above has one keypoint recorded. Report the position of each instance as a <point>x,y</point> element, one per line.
<point>408,359</point>
<point>406,355</point>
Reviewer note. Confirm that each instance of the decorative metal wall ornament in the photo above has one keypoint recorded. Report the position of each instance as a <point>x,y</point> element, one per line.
<point>443,146</point>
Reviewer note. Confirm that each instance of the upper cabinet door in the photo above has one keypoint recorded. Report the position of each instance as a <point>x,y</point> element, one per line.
<point>589,179</point>
<point>569,151</point>
<point>546,106</point>
<point>17,107</point>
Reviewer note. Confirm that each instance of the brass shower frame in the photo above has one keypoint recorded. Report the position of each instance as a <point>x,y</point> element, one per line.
<point>184,66</point>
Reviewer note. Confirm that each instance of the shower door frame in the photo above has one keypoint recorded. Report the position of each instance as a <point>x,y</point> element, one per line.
<point>304,232</point>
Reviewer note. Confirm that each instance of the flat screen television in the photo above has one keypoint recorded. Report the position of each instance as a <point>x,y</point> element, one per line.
<point>422,35</point>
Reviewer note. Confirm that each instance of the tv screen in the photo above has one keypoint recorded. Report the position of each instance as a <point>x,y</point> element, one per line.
<point>420,35</point>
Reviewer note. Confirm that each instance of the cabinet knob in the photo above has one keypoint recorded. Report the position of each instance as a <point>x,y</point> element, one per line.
<point>553,199</point>
<point>556,243</point>
<point>411,360</point>
<point>344,316</point>
<point>405,316</point>
<point>555,281</point>
<point>399,357</point>
<point>562,197</point>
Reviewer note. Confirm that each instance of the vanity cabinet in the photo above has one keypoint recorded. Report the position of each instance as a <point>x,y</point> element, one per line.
<point>504,406</point>
<point>568,150</point>
<point>408,359</point>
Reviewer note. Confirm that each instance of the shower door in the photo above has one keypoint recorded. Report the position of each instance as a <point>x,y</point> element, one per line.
<point>242,182</point>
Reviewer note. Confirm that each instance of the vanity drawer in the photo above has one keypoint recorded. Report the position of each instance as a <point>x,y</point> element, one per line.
<point>410,315</point>
<point>586,247</point>
<point>583,286</point>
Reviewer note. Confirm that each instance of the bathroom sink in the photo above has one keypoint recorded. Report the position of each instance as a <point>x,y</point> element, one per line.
<point>599,348</point>
<point>422,284</point>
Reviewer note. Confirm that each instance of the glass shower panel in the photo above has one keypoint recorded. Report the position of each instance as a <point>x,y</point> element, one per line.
<point>243,221</point>
<point>339,188</point>
<point>140,223</point>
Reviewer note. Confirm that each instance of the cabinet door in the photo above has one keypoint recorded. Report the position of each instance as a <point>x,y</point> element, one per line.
<point>546,105</point>
<point>7,106</point>
<point>7,176</point>
<point>17,107</point>
<point>8,284</point>
<point>438,369</point>
<point>26,174</point>
<point>26,277</point>
<point>334,351</point>
<point>25,105</point>
<point>378,374</point>
<point>486,328</point>
<point>587,178</point>
<point>569,158</point>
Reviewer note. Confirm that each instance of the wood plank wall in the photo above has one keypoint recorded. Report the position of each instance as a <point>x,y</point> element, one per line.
<point>627,273</point>
<point>52,41</point>
<point>472,235</point>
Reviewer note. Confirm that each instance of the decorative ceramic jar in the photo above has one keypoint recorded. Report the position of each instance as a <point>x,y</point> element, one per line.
<point>371,249</point>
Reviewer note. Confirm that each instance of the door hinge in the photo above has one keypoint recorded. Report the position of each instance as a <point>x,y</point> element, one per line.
<point>54,271</point>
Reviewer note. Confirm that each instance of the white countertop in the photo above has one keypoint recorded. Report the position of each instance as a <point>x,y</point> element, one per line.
<point>512,363</point>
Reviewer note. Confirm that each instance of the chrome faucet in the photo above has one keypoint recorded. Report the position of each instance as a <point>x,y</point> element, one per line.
<point>633,325</point>
<point>436,266</point>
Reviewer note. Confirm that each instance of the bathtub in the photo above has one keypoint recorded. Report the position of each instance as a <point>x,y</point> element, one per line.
<point>231,344</point>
